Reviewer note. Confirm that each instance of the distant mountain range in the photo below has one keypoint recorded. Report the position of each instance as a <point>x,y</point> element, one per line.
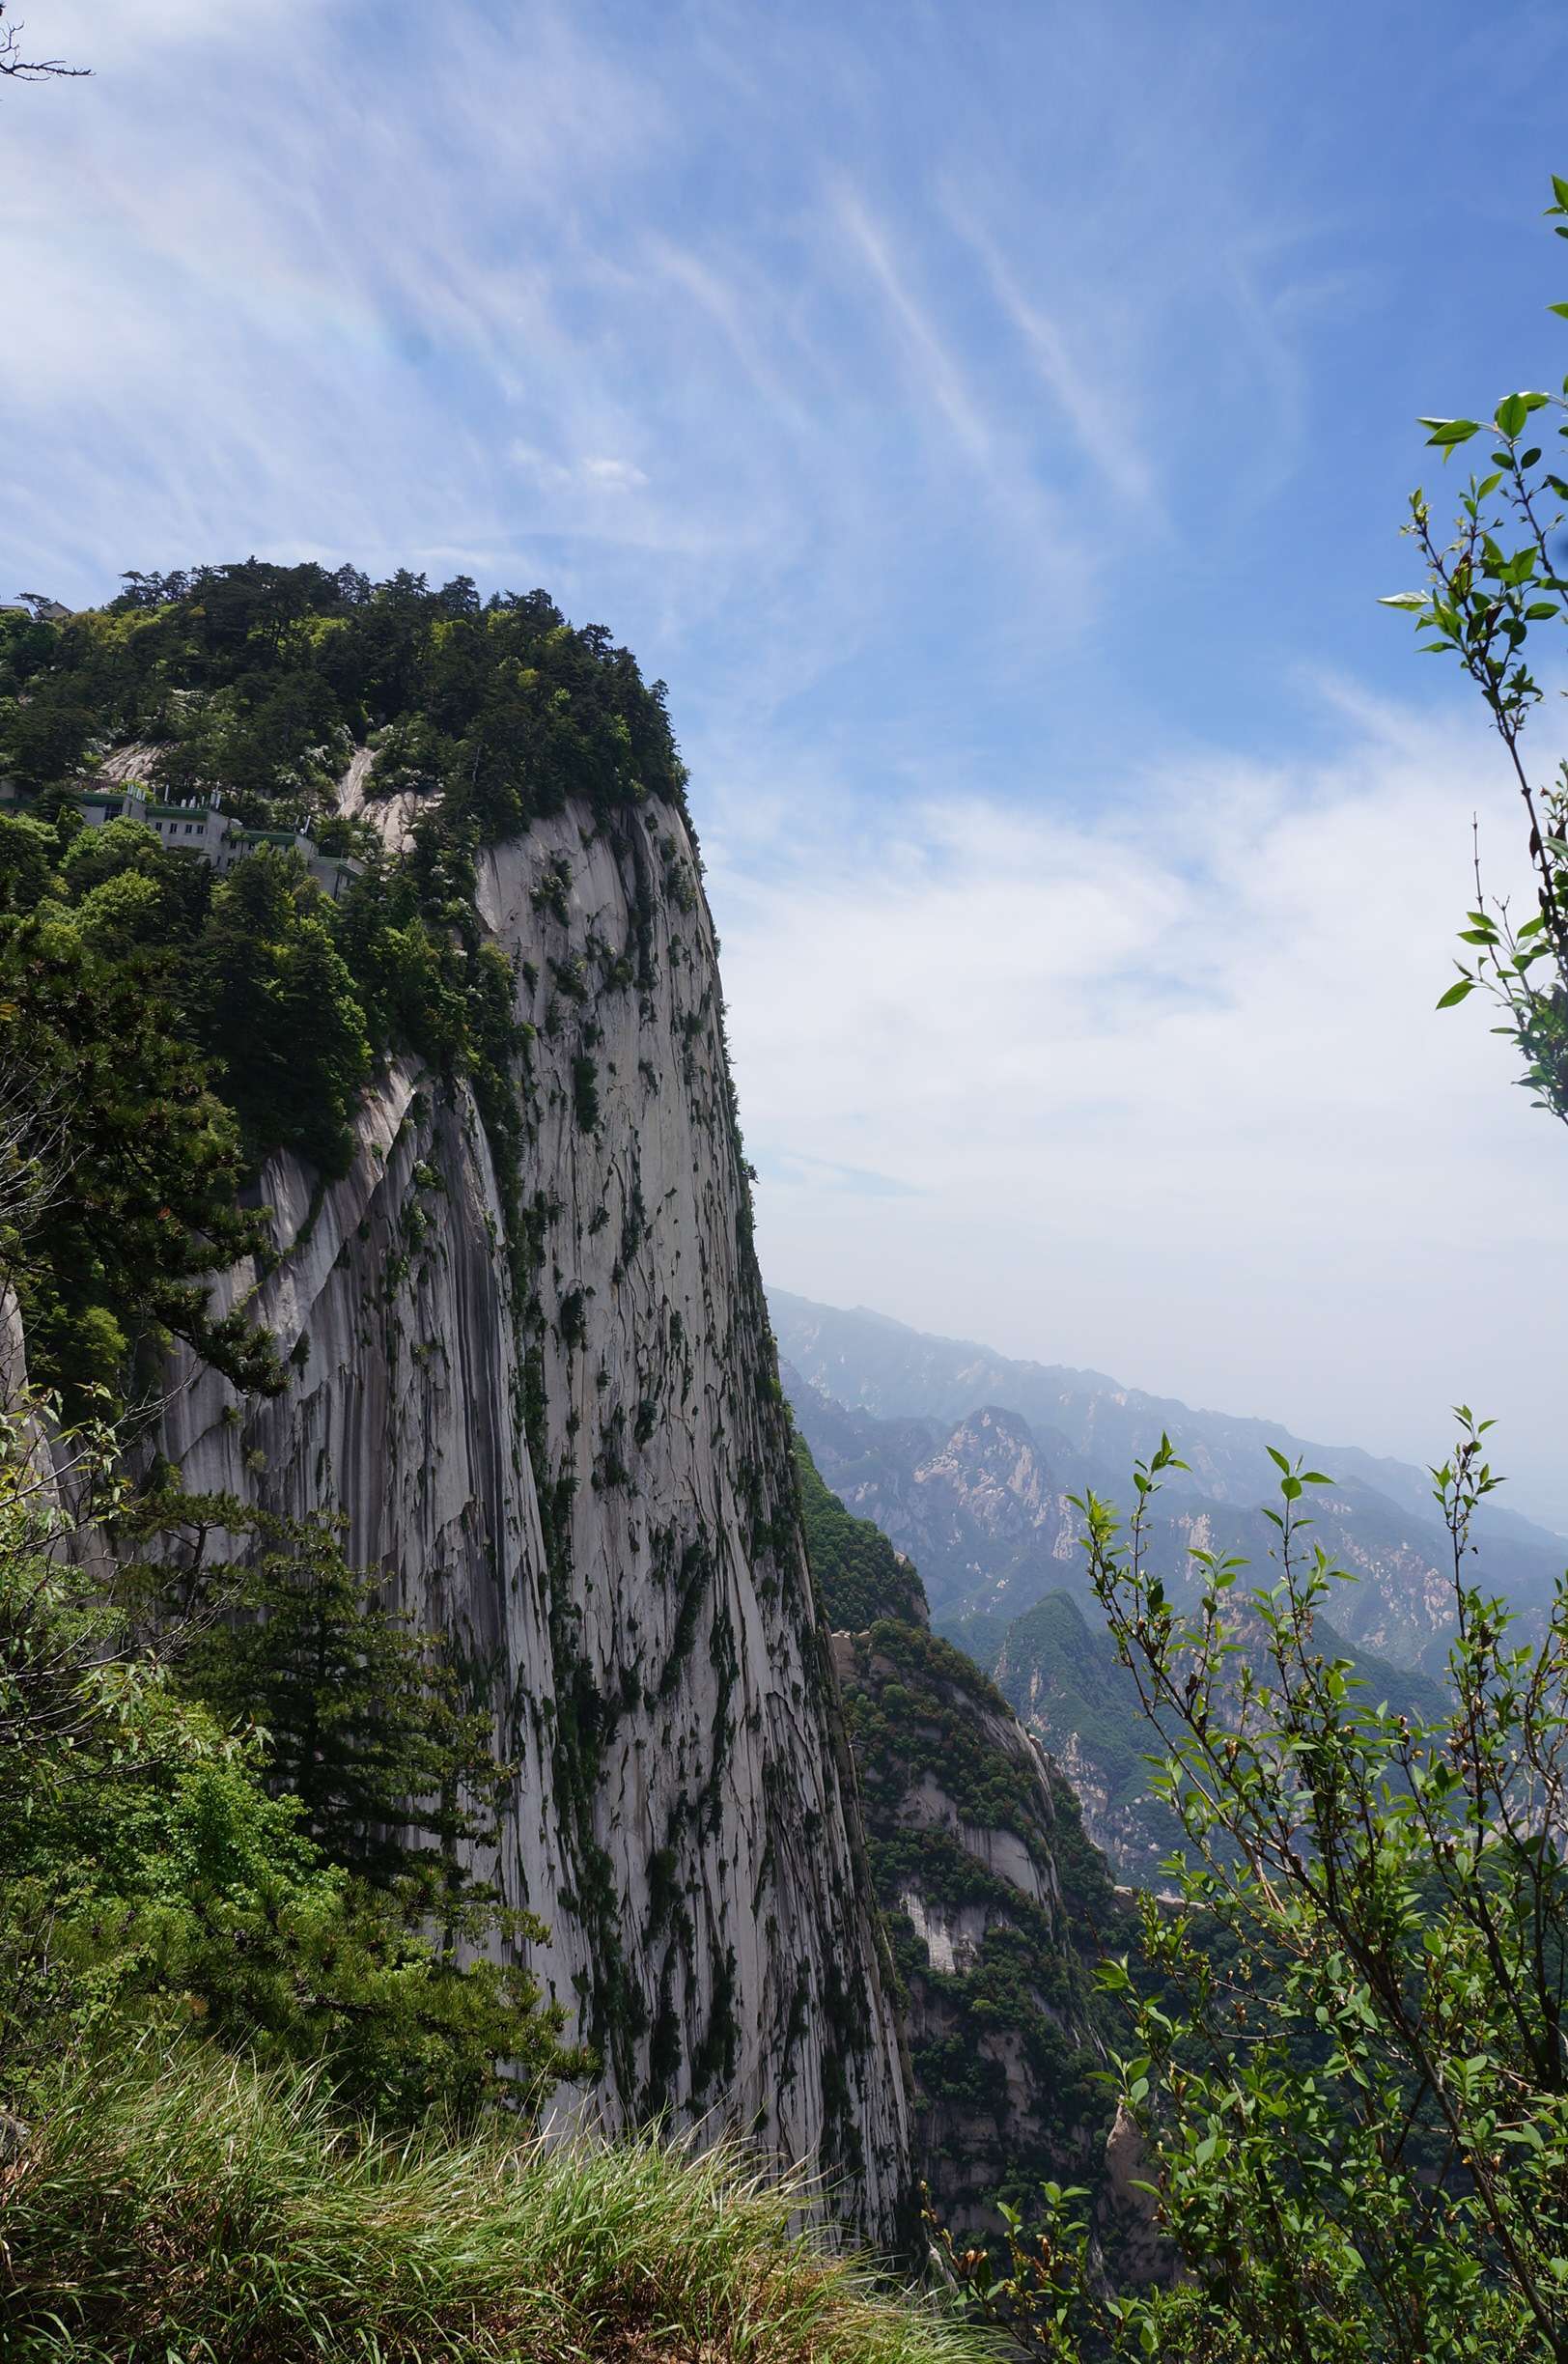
<point>968,1462</point>
<point>967,1459</point>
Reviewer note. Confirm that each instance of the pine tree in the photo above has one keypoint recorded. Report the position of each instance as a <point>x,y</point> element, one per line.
<point>366,1717</point>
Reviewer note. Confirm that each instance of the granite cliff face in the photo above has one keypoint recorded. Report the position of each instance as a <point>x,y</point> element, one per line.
<point>559,1430</point>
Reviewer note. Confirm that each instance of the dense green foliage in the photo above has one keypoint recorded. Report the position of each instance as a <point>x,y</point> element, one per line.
<point>256,682</point>
<point>273,1001</point>
<point>159,1869</point>
<point>927,1701</point>
<point>173,1028</point>
<point>860,1575</point>
<point>179,2207</point>
<point>120,1160</point>
<point>372,1726</point>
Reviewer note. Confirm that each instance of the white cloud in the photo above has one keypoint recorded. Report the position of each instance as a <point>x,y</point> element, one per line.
<point>1167,1092</point>
<point>1095,407</point>
<point>615,475</point>
<point>539,465</point>
<point>936,372</point>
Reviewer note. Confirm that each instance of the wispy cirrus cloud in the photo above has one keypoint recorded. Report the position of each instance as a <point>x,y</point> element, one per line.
<point>268,265</point>
<point>1094,404</point>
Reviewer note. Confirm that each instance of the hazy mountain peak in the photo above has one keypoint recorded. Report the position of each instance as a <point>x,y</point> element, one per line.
<point>968,1458</point>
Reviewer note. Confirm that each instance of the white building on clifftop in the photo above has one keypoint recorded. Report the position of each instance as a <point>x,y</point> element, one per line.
<point>204,828</point>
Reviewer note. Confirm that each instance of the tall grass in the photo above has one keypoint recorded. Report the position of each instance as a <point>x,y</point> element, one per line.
<point>186,2208</point>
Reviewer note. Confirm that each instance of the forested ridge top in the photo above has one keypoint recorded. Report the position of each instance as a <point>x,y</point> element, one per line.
<point>192,1024</point>
<point>260,680</point>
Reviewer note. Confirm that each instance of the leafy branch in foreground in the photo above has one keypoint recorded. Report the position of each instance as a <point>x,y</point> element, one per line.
<point>1485,591</point>
<point>1351,2081</point>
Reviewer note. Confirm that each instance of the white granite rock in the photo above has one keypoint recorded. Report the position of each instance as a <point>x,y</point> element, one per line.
<point>584,1475</point>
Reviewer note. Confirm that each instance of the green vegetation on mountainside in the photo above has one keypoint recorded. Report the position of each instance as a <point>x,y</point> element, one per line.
<point>1063,1678</point>
<point>166,1865</point>
<point>256,682</point>
<point>970,1835</point>
<point>967,1829</point>
<point>861,1574</point>
<point>169,1027</point>
<point>1061,1675</point>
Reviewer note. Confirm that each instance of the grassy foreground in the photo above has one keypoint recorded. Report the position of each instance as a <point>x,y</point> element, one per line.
<point>189,2210</point>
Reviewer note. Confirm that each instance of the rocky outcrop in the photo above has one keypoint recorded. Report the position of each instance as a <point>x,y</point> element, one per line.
<point>532,1365</point>
<point>997,1907</point>
<point>975,1506</point>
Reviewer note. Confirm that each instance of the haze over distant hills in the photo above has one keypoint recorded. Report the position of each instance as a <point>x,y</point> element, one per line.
<point>967,1462</point>
<point>967,1459</point>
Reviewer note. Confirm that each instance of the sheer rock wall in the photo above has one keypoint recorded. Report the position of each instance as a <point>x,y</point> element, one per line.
<point>562,1437</point>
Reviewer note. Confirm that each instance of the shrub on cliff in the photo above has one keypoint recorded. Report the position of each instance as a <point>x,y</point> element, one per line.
<point>153,1876</point>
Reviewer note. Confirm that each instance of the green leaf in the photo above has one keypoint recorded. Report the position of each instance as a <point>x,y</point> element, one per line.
<point>1559,188</point>
<point>1457,992</point>
<point>1446,432</point>
<point>1404,599</point>
<point>1561,310</point>
<point>1539,610</point>
<point>1514,409</point>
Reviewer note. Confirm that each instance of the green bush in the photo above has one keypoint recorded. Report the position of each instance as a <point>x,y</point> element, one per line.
<point>154,1875</point>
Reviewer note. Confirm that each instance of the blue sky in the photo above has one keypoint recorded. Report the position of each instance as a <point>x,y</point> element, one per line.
<point>994,423</point>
